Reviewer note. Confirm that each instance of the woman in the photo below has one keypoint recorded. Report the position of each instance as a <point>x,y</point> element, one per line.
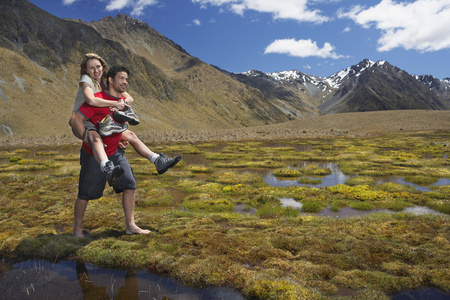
<point>93,70</point>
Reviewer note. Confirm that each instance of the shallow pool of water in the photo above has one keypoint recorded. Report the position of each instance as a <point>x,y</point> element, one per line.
<point>426,293</point>
<point>348,212</point>
<point>338,177</point>
<point>40,279</point>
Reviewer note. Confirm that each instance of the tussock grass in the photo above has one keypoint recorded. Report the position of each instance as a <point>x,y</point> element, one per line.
<point>275,253</point>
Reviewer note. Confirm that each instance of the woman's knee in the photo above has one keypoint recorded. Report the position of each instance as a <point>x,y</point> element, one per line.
<point>72,120</point>
<point>129,135</point>
<point>94,137</point>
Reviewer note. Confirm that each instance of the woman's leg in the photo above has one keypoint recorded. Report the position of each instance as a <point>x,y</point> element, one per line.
<point>97,146</point>
<point>137,144</point>
<point>161,162</point>
<point>76,122</point>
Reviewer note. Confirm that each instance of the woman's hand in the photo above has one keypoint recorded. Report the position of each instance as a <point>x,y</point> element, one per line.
<point>123,144</point>
<point>119,105</point>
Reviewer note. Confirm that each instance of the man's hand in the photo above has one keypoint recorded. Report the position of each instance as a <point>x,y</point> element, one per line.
<point>123,145</point>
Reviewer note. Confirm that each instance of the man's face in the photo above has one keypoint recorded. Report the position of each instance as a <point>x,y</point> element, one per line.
<point>119,83</point>
<point>95,69</point>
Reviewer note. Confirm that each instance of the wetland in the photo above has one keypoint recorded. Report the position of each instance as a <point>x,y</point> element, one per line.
<point>362,217</point>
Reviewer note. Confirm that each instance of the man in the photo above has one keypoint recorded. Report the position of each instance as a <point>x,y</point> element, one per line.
<point>92,181</point>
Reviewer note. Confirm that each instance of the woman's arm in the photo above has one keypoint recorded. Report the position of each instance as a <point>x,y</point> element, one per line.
<point>99,102</point>
<point>128,99</point>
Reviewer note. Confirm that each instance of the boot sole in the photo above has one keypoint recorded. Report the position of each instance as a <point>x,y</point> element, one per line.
<point>115,177</point>
<point>175,161</point>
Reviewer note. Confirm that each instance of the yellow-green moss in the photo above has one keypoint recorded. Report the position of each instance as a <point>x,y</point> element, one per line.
<point>275,253</point>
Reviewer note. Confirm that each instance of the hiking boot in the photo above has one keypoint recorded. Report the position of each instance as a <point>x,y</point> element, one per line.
<point>126,115</point>
<point>113,173</point>
<point>163,163</point>
<point>108,126</point>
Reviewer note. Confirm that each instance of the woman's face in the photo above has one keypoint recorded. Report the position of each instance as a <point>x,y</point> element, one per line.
<point>94,69</point>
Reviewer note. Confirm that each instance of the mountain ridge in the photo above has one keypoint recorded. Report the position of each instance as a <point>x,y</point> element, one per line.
<point>174,90</point>
<point>342,95</point>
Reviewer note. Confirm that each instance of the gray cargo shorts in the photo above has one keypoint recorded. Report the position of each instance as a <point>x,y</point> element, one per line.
<point>92,180</point>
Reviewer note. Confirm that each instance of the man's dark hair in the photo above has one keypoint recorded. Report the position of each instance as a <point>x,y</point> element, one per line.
<point>113,72</point>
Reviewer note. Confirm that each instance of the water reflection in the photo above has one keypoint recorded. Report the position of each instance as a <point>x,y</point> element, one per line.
<point>40,279</point>
<point>338,177</point>
<point>423,293</point>
<point>348,212</point>
<point>401,180</point>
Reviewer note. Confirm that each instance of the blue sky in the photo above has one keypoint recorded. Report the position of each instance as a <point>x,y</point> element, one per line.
<point>317,37</point>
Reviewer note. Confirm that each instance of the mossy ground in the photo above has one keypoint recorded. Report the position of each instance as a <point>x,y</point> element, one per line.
<point>275,253</point>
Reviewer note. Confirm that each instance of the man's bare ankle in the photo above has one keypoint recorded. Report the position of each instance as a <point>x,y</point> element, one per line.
<point>78,233</point>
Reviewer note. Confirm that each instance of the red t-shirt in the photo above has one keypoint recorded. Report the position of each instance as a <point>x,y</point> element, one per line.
<point>96,114</point>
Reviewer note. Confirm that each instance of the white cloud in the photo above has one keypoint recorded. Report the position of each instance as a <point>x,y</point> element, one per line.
<point>280,9</point>
<point>68,2</point>
<point>117,4</point>
<point>137,5</point>
<point>420,25</point>
<point>197,22</point>
<point>301,48</point>
<point>346,29</point>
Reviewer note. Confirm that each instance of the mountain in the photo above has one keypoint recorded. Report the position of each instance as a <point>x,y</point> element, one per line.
<point>366,86</point>
<point>439,86</point>
<point>41,53</point>
<point>372,86</point>
<point>40,56</point>
<point>296,92</point>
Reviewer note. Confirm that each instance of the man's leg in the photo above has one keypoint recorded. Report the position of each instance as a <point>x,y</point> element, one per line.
<point>128,202</point>
<point>91,184</point>
<point>78,216</point>
<point>127,186</point>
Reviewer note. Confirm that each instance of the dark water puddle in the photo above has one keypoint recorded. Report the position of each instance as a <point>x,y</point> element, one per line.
<point>426,293</point>
<point>348,212</point>
<point>401,180</point>
<point>40,279</point>
<point>338,177</point>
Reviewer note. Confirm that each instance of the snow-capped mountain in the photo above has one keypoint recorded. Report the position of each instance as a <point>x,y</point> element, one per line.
<point>336,79</point>
<point>440,86</point>
<point>365,86</point>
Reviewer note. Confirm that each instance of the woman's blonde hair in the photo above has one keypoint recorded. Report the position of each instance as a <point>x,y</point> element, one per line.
<point>83,68</point>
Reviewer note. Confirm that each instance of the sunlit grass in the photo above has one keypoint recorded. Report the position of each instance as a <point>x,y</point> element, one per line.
<point>275,252</point>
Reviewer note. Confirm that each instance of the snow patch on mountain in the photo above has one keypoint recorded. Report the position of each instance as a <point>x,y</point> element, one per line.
<point>336,79</point>
<point>315,84</point>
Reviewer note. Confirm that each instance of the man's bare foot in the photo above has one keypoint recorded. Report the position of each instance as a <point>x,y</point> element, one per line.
<point>78,233</point>
<point>133,229</point>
